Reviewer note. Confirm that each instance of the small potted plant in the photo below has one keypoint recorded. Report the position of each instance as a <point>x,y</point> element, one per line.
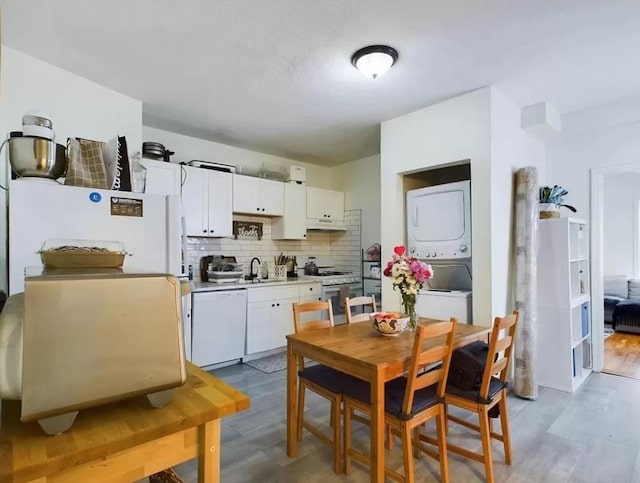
<point>551,200</point>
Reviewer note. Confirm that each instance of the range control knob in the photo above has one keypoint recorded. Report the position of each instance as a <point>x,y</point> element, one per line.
<point>427,255</point>
<point>463,248</point>
<point>413,250</point>
<point>434,254</point>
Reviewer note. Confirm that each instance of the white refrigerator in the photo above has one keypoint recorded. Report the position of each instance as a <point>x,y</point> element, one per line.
<point>148,225</point>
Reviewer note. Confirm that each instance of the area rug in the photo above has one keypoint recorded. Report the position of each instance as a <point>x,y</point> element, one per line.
<point>608,332</point>
<point>273,363</point>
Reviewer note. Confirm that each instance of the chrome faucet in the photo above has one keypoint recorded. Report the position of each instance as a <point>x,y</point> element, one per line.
<point>252,276</point>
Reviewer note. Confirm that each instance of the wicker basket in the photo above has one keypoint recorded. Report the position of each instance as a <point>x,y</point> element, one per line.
<point>549,210</point>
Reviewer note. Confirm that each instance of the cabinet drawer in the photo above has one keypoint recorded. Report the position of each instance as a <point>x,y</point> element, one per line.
<point>307,290</point>
<point>264,294</point>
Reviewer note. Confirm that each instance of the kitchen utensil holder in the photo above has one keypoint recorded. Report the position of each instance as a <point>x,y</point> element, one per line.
<point>280,272</point>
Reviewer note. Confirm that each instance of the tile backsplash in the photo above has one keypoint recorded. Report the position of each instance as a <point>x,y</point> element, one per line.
<point>344,247</point>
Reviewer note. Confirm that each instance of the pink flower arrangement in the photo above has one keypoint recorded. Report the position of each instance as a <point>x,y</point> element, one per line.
<point>408,274</point>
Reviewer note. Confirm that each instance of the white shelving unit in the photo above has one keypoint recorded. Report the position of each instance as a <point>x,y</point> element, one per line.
<point>564,321</point>
<point>371,285</point>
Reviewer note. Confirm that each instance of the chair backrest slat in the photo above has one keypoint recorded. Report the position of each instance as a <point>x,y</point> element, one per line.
<point>299,326</point>
<point>503,344</point>
<point>500,341</point>
<point>324,305</point>
<point>361,301</point>
<point>432,355</point>
<point>440,353</point>
<point>429,378</point>
<point>499,366</point>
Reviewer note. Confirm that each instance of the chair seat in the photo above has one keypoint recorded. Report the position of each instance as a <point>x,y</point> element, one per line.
<point>394,396</point>
<point>326,377</point>
<point>495,386</point>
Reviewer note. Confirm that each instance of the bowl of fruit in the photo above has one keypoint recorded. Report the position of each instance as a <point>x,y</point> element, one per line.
<point>389,323</point>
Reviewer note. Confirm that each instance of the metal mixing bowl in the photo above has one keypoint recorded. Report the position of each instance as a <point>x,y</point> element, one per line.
<point>37,157</point>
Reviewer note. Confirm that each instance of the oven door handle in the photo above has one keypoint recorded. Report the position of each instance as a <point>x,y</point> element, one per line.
<point>336,289</point>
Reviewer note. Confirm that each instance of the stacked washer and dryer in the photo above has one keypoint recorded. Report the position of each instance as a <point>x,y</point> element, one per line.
<point>439,233</point>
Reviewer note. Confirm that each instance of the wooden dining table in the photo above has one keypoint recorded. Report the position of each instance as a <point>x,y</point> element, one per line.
<point>357,349</point>
<point>126,440</point>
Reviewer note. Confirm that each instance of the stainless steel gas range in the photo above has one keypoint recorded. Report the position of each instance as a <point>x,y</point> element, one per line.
<point>336,286</point>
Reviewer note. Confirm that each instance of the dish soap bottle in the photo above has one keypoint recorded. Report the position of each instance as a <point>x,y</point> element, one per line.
<point>265,270</point>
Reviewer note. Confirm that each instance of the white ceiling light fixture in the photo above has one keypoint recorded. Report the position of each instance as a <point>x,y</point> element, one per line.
<point>374,60</point>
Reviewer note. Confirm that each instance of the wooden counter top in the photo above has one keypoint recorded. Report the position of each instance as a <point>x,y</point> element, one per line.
<point>27,453</point>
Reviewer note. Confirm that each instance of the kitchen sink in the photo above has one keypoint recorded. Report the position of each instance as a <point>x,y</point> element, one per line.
<point>261,281</point>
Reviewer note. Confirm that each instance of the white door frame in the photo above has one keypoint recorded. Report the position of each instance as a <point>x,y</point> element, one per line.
<point>597,256</point>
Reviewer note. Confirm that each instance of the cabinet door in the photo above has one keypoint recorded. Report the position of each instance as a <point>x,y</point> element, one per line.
<point>246,194</point>
<point>220,204</point>
<point>186,325</point>
<point>195,201</point>
<point>335,205</point>
<point>293,225</point>
<point>316,203</point>
<point>259,327</point>
<point>325,204</point>
<point>204,333</point>
<point>272,197</point>
<point>162,178</point>
<point>282,322</point>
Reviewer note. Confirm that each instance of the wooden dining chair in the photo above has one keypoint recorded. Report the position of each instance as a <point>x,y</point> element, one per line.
<point>363,301</point>
<point>322,380</point>
<point>409,402</point>
<point>492,392</point>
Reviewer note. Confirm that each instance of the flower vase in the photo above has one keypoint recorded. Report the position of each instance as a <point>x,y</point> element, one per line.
<point>409,308</point>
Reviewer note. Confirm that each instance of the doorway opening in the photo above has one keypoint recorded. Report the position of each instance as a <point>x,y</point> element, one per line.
<point>615,246</point>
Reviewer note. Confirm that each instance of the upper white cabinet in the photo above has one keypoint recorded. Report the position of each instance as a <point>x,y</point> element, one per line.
<point>325,204</point>
<point>293,225</point>
<point>207,202</point>
<point>162,178</point>
<point>258,196</point>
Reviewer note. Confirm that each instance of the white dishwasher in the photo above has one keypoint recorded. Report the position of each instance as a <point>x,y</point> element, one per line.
<point>219,326</point>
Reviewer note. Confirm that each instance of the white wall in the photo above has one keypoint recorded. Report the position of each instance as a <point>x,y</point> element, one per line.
<point>78,108</point>
<point>484,127</point>
<point>188,148</point>
<point>593,138</point>
<point>511,149</point>
<point>453,130</point>
<point>621,193</point>
<point>360,181</point>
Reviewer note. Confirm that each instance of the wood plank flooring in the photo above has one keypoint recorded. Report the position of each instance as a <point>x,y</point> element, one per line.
<point>622,355</point>
<point>592,436</point>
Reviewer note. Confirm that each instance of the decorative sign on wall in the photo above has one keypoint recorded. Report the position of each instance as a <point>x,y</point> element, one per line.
<point>247,230</point>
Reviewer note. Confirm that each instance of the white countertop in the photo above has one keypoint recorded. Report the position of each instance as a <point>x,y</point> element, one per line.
<point>213,286</point>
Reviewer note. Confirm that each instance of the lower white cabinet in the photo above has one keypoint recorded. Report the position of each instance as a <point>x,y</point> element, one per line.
<point>310,292</point>
<point>270,314</point>
<point>268,324</point>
